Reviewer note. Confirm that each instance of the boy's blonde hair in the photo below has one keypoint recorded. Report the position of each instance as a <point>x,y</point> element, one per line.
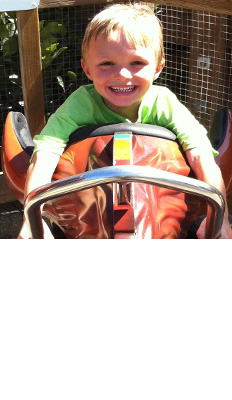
<point>139,23</point>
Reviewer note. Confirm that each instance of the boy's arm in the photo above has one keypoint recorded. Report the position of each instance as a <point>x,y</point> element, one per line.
<point>39,173</point>
<point>205,168</point>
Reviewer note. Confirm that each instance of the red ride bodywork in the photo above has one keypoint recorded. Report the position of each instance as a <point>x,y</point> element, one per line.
<point>158,212</point>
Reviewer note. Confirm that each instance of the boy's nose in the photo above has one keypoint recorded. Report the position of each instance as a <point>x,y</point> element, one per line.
<point>124,73</point>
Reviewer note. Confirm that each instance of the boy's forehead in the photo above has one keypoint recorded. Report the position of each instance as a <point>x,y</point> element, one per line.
<point>116,35</point>
<point>115,43</point>
<point>119,36</point>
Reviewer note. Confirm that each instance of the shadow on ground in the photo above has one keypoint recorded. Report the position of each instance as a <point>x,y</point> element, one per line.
<point>11,216</point>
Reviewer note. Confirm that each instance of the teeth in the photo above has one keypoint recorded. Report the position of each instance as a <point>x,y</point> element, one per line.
<point>122,90</point>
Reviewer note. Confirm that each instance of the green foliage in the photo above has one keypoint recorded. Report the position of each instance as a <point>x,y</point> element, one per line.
<point>54,42</point>
<point>49,42</point>
<point>8,34</point>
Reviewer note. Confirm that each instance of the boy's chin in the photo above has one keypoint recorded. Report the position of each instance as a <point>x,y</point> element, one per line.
<point>125,110</point>
<point>121,101</point>
<point>113,106</point>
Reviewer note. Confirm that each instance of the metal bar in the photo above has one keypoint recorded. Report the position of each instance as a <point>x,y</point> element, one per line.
<point>214,6</point>
<point>128,173</point>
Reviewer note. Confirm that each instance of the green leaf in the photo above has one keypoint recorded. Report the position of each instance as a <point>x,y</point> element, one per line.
<point>47,60</point>
<point>57,28</point>
<point>72,76</point>
<point>52,48</point>
<point>3,30</point>
<point>10,46</point>
<point>4,17</point>
<point>51,29</point>
<point>45,34</point>
<point>11,29</point>
<point>61,82</point>
<point>58,52</point>
<point>46,45</point>
<point>41,24</point>
<point>12,14</point>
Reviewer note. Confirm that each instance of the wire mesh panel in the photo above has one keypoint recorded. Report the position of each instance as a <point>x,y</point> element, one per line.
<point>198,59</point>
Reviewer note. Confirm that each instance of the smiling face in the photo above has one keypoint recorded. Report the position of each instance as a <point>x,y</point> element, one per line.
<point>121,72</point>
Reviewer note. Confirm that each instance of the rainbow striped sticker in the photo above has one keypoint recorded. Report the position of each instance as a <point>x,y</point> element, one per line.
<point>122,153</point>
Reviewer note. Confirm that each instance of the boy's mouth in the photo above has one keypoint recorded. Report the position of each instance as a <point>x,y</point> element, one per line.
<point>118,89</point>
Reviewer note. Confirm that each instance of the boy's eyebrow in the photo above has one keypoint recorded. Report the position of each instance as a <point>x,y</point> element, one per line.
<point>102,57</point>
<point>111,57</point>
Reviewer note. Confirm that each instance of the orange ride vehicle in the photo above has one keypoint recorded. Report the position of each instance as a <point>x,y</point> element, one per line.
<point>119,181</point>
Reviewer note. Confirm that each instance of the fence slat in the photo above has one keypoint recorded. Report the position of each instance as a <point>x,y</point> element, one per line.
<point>215,6</point>
<point>31,70</point>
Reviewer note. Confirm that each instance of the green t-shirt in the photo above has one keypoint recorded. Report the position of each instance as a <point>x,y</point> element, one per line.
<point>86,107</point>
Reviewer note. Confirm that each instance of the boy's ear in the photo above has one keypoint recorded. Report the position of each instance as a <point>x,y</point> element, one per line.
<point>158,71</point>
<point>85,68</point>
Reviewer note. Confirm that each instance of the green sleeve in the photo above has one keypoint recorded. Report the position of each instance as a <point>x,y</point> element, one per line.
<point>169,112</point>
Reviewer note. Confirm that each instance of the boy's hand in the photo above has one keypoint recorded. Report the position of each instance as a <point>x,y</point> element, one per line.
<point>25,234</point>
<point>205,168</point>
<point>226,231</point>
<point>39,173</point>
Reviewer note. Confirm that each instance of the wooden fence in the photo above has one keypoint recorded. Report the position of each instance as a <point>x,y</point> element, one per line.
<point>30,57</point>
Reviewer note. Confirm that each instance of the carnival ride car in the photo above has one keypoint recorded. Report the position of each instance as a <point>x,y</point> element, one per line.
<point>119,181</point>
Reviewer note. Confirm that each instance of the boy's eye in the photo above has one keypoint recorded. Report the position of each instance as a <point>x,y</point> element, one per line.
<point>137,63</point>
<point>106,63</point>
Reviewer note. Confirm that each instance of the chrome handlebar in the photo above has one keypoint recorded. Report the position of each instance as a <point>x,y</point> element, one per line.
<point>119,174</point>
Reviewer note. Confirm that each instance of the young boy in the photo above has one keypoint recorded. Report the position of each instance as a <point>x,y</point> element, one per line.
<point>122,54</point>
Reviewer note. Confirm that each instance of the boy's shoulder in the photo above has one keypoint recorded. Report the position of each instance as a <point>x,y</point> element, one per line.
<point>85,95</point>
<point>85,90</point>
<point>160,95</point>
<point>161,90</point>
